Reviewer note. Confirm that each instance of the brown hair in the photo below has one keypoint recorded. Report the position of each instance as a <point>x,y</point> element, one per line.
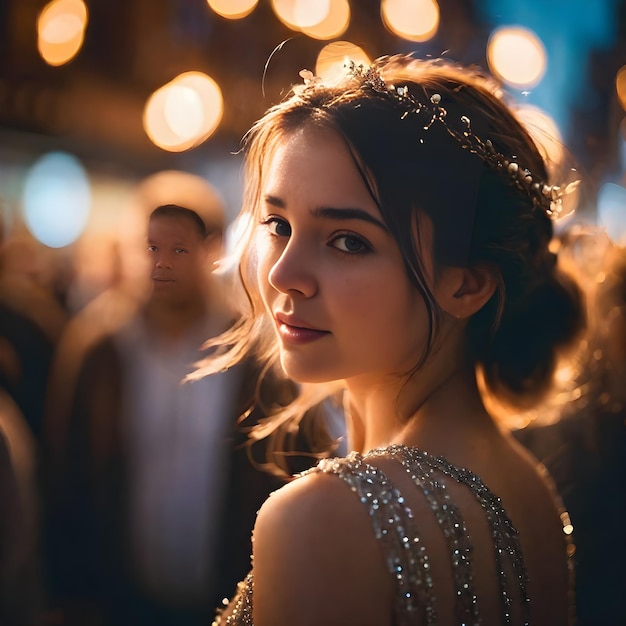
<point>479,216</point>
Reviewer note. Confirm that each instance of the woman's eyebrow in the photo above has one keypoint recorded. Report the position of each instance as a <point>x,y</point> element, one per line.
<point>348,214</point>
<point>279,203</point>
<point>332,213</point>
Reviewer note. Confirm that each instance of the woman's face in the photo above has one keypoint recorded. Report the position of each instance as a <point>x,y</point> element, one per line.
<point>330,274</point>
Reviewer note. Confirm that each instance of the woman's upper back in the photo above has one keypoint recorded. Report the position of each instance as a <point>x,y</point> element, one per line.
<point>421,542</point>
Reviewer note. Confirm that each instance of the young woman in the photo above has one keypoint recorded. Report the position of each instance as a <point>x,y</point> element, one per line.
<point>398,251</point>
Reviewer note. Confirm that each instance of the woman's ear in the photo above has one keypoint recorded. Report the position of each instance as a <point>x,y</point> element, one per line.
<point>461,291</point>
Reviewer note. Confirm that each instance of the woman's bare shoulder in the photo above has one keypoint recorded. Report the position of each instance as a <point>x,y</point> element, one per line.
<point>314,517</point>
<point>316,559</point>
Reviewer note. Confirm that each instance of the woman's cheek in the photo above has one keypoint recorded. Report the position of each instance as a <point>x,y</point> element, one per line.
<point>262,260</point>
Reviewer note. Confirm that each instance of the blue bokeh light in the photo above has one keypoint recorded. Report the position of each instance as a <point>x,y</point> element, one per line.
<point>57,199</point>
<point>612,211</point>
<point>569,29</point>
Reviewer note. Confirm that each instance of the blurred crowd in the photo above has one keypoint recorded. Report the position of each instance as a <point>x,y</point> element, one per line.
<point>128,497</point>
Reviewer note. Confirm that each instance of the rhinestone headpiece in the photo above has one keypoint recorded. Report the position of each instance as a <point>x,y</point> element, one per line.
<point>547,197</point>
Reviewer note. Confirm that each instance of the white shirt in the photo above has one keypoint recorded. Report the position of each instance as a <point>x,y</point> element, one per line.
<point>177,437</point>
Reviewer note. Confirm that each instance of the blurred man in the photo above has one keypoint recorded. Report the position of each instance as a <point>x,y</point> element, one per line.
<point>154,499</point>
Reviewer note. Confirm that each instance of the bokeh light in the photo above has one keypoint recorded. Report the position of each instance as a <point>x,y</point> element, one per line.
<point>61,30</point>
<point>332,57</point>
<point>184,112</point>
<point>233,9</point>
<point>334,25</point>
<point>415,20</point>
<point>545,132</point>
<point>299,14</point>
<point>517,56</point>
<point>612,211</point>
<point>56,199</point>
<point>548,139</point>
<point>620,86</point>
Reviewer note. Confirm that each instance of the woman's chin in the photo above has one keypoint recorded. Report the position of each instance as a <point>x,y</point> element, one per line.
<point>307,370</point>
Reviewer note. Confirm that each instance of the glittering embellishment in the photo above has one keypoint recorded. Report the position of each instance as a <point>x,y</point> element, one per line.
<point>241,612</point>
<point>452,525</point>
<point>504,534</point>
<point>396,529</point>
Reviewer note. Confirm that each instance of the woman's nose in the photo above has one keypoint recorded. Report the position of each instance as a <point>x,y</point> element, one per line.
<point>294,272</point>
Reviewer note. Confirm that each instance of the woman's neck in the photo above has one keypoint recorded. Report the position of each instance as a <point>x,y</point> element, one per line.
<point>441,415</point>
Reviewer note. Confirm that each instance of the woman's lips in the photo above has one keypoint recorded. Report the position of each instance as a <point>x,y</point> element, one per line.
<point>290,331</point>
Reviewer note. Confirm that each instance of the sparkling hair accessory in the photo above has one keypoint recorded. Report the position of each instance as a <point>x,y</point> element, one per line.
<point>548,198</point>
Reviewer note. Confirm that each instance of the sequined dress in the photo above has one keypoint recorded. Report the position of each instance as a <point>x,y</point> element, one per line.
<point>407,558</point>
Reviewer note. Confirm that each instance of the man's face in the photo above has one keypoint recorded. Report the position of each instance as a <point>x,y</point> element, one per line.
<point>178,257</point>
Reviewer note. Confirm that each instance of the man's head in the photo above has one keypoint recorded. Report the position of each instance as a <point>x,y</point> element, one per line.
<point>181,250</point>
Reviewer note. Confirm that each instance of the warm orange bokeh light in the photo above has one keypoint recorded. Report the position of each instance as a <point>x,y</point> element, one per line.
<point>299,14</point>
<point>61,30</point>
<point>210,96</point>
<point>517,56</point>
<point>332,57</point>
<point>415,20</point>
<point>548,139</point>
<point>620,86</point>
<point>335,24</point>
<point>184,112</point>
<point>233,9</point>
<point>545,132</point>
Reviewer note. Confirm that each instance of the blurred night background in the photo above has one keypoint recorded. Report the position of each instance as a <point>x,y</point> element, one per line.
<point>107,106</point>
<point>76,77</point>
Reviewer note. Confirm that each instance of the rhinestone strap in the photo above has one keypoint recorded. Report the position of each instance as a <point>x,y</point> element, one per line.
<point>394,526</point>
<point>504,534</point>
<point>452,525</point>
<point>241,613</point>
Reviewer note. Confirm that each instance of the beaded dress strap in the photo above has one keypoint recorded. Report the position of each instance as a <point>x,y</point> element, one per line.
<point>452,525</point>
<point>394,526</point>
<point>422,467</point>
<point>240,607</point>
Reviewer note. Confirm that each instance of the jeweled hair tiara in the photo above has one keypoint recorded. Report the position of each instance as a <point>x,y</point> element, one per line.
<point>543,195</point>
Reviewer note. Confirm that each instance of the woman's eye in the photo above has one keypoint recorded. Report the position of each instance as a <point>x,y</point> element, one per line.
<point>151,248</point>
<point>278,226</point>
<point>180,251</point>
<point>350,244</point>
